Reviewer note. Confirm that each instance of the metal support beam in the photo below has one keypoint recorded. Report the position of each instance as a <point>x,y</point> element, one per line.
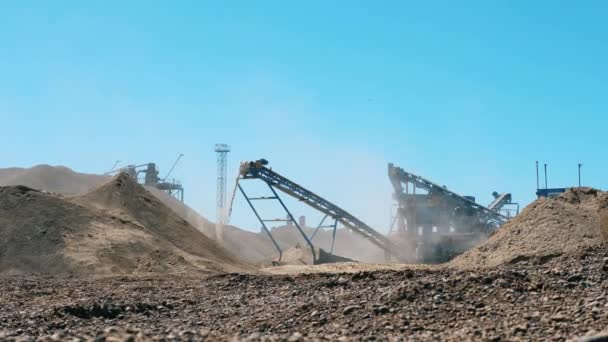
<point>262,198</point>
<point>312,248</point>
<point>276,245</point>
<point>258,170</point>
<point>392,226</point>
<point>333,238</point>
<point>318,227</point>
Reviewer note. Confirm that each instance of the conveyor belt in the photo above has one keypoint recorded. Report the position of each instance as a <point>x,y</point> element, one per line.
<point>398,176</point>
<point>259,171</point>
<point>500,201</point>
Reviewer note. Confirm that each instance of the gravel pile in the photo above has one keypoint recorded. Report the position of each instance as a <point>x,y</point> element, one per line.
<point>547,228</point>
<point>564,298</point>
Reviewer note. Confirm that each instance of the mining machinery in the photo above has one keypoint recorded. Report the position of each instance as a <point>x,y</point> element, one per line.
<point>150,177</point>
<point>503,204</point>
<point>258,170</point>
<point>435,224</point>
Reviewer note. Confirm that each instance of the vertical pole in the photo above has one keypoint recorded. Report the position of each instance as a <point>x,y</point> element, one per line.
<point>579,174</point>
<point>222,160</point>
<point>537,178</point>
<point>415,220</point>
<point>333,238</point>
<point>546,182</point>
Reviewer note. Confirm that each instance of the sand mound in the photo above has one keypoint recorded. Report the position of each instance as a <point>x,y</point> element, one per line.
<point>257,247</point>
<point>51,178</point>
<point>302,255</point>
<point>185,212</point>
<point>116,228</point>
<point>33,226</point>
<point>63,180</point>
<point>546,228</point>
<point>123,197</point>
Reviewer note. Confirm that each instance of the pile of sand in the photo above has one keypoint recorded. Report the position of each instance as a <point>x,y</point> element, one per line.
<point>57,179</point>
<point>302,255</point>
<point>118,227</point>
<point>546,228</point>
<point>63,180</point>
<point>184,211</point>
<point>259,249</point>
<point>33,230</point>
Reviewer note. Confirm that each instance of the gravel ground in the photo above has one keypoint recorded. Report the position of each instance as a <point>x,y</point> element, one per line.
<point>557,299</point>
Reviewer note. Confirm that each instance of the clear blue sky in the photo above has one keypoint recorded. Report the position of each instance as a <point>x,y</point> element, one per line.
<point>466,93</point>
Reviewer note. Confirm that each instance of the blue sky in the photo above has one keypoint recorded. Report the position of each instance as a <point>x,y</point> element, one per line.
<point>467,93</point>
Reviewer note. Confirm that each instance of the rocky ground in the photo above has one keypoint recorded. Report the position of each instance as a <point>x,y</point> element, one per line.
<point>541,299</point>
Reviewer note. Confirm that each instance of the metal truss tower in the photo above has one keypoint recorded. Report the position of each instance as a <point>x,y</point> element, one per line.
<point>222,161</point>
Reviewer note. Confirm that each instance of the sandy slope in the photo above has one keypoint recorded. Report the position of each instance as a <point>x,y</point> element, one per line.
<point>118,227</point>
<point>58,179</point>
<point>547,228</point>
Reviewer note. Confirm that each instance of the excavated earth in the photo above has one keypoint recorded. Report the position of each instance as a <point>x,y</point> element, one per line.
<point>564,298</point>
<point>542,276</point>
<point>547,228</point>
<point>116,228</point>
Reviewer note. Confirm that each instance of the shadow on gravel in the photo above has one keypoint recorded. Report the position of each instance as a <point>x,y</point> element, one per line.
<point>108,310</point>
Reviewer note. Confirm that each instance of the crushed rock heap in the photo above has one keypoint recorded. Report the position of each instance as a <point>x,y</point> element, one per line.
<point>117,228</point>
<point>547,228</point>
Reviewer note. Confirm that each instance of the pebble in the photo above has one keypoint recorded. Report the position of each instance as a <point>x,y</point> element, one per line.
<point>527,303</point>
<point>343,281</point>
<point>349,309</point>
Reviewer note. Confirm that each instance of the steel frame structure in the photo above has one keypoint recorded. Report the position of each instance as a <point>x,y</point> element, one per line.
<point>222,161</point>
<point>398,177</point>
<point>258,170</point>
<point>263,222</point>
<point>503,203</point>
<point>334,227</point>
<point>150,171</point>
<point>438,217</point>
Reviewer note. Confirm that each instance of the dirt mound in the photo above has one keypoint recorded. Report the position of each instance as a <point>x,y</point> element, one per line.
<point>123,197</point>
<point>257,247</point>
<point>58,179</point>
<point>546,228</point>
<point>185,212</point>
<point>63,180</point>
<point>116,228</point>
<point>33,227</point>
<point>302,255</point>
